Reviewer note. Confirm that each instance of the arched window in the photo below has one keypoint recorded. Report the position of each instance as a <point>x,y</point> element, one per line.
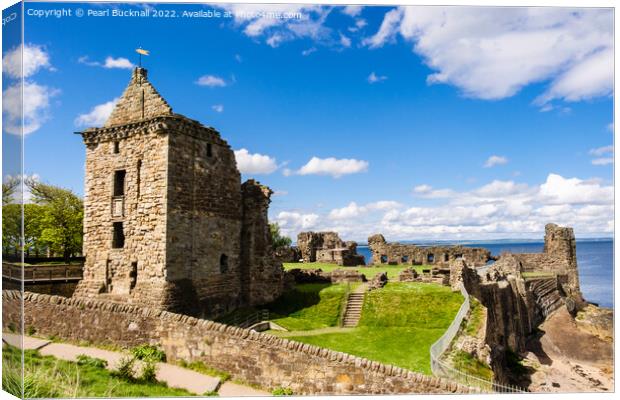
<point>223,263</point>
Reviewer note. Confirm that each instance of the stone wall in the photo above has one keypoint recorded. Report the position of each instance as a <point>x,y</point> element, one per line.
<point>410,254</point>
<point>256,358</point>
<point>327,247</point>
<point>64,289</point>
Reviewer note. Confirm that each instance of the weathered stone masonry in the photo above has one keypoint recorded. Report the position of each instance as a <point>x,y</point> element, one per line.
<point>410,254</point>
<point>166,217</point>
<point>257,358</point>
<point>327,247</point>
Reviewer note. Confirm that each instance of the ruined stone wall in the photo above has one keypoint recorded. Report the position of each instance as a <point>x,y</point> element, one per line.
<point>142,154</point>
<point>409,254</point>
<point>327,247</point>
<point>263,277</point>
<point>257,358</point>
<point>204,219</point>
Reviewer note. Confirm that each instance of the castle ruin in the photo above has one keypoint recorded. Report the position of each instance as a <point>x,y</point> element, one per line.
<point>327,247</point>
<point>411,254</point>
<point>167,222</point>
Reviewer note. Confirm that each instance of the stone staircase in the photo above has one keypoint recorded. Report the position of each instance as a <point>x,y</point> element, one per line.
<point>353,309</point>
<point>547,295</point>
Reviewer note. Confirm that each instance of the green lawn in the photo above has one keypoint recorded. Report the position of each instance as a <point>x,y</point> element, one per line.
<point>399,324</point>
<point>370,272</point>
<point>49,377</point>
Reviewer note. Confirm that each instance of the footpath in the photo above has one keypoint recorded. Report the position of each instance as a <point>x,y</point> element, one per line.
<point>173,375</point>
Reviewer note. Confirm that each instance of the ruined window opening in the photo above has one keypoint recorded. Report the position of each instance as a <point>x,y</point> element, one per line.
<point>404,259</point>
<point>117,147</point>
<point>430,258</point>
<point>223,263</point>
<point>446,257</point>
<point>118,239</point>
<point>138,178</point>
<point>119,183</point>
<point>458,256</point>
<point>209,150</point>
<point>133,275</point>
<point>384,259</point>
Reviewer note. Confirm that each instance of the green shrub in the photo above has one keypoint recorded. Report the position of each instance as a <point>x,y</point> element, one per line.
<point>149,372</point>
<point>211,393</point>
<point>31,330</point>
<point>125,369</point>
<point>147,352</point>
<point>85,360</point>
<point>282,391</point>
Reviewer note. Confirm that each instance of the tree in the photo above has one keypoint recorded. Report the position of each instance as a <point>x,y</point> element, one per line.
<point>8,190</point>
<point>277,238</point>
<point>62,219</point>
<point>11,228</point>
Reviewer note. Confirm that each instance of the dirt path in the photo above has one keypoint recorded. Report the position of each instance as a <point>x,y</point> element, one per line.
<point>568,358</point>
<point>173,375</point>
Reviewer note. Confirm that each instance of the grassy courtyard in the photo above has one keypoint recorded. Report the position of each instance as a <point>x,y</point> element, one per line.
<point>49,377</point>
<point>399,323</point>
<point>369,271</point>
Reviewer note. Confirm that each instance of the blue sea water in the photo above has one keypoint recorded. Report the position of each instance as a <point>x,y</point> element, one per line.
<point>595,260</point>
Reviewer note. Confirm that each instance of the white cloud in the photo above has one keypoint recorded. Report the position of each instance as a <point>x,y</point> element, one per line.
<point>309,51</point>
<point>498,209</point>
<point>493,52</point>
<point>254,163</point>
<point>36,103</point>
<point>610,127</point>
<point>98,115</point>
<point>352,11</point>
<point>387,31</point>
<point>333,167</point>
<point>121,62</point>
<point>238,58</point>
<point>35,58</point>
<point>345,41</point>
<point>218,108</point>
<point>599,151</point>
<point>374,78</point>
<point>292,222</point>
<point>293,21</point>
<point>211,81</point>
<point>602,161</point>
<point>495,160</point>
<point>427,192</point>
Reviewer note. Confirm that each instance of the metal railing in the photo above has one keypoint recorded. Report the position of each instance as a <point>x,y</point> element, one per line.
<point>443,369</point>
<point>42,274</point>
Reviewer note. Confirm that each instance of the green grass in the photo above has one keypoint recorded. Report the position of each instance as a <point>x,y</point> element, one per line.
<point>309,306</point>
<point>476,317</point>
<point>370,272</point>
<point>465,362</point>
<point>49,377</point>
<point>538,274</point>
<point>205,369</point>
<point>399,324</point>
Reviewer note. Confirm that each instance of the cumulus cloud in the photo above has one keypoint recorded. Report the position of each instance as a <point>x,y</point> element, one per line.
<point>332,166</point>
<point>35,107</point>
<point>602,155</point>
<point>309,51</point>
<point>293,222</point>
<point>35,58</point>
<point>493,52</point>
<point>294,21</point>
<point>495,160</point>
<point>256,163</point>
<point>352,11</point>
<point>121,62</point>
<point>602,161</point>
<point>345,41</point>
<point>98,115</point>
<point>218,108</point>
<point>211,81</point>
<point>374,78</point>
<point>498,209</point>
<point>428,192</point>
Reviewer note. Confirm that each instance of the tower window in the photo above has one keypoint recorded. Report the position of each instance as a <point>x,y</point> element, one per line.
<point>119,183</point>
<point>209,150</point>
<point>430,258</point>
<point>118,238</point>
<point>139,172</point>
<point>116,148</point>
<point>133,275</point>
<point>223,263</point>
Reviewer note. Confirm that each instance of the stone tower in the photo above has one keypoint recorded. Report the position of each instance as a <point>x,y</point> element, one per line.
<point>561,256</point>
<point>167,223</point>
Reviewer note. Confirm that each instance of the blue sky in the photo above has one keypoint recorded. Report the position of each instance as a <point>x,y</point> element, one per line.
<point>418,122</point>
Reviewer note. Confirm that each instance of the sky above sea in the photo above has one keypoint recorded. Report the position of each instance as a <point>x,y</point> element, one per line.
<point>416,122</point>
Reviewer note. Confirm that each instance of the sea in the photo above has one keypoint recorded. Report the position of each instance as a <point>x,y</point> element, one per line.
<point>595,261</point>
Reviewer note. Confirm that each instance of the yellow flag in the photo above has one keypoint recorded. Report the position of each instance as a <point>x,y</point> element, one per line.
<point>143,52</point>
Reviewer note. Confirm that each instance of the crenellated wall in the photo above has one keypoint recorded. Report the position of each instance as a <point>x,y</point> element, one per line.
<point>256,358</point>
